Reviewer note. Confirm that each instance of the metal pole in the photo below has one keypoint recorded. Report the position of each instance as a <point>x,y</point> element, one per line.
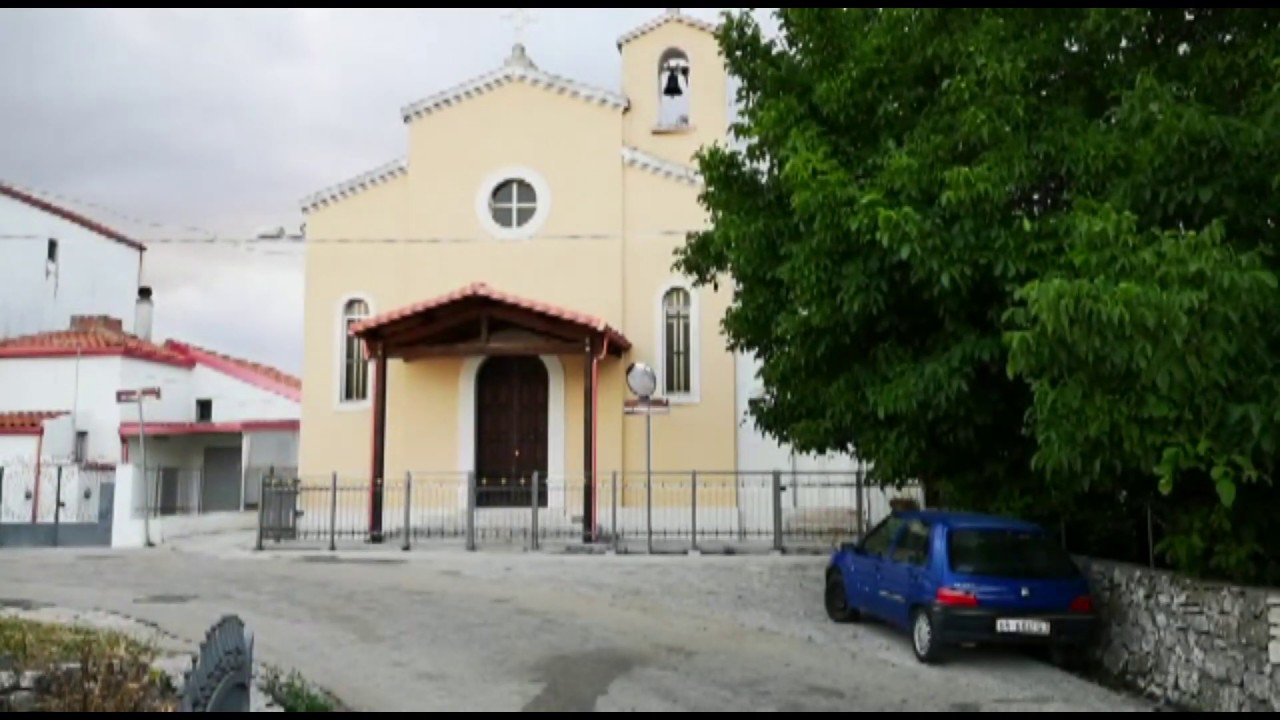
<point>262,510</point>
<point>408,498</point>
<point>57,505</point>
<point>859,480</point>
<point>614,496</point>
<point>146,485</point>
<point>648,473</point>
<point>471,510</point>
<point>693,478</point>
<point>533,536</point>
<point>333,512</point>
<point>777,510</point>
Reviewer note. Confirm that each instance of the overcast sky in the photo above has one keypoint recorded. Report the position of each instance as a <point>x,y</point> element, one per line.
<point>177,123</point>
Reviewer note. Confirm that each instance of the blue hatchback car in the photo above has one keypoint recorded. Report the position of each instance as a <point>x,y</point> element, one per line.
<point>952,578</point>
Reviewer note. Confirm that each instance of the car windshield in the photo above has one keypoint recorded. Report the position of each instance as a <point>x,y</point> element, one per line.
<point>999,552</point>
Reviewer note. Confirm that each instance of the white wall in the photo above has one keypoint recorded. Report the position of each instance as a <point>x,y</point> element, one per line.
<point>756,452</point>
<point>17,459</point>
<point>817,485</point>
<point>79,488</point>
<point>266,450</point>
<point>176,403</point>
<point>85,387</point>
<point>94,275</point>
<point>130,529</point>
<point>234,401</point>
<point>17,448</point>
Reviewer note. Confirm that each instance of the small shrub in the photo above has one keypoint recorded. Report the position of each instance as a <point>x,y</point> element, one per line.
<point>294,694</point>
<point>86,670</point>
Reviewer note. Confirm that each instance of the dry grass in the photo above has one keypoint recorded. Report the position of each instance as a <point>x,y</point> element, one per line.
<point>86,670</point>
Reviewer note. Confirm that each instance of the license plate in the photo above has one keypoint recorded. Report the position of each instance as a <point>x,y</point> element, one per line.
<point>1022,626</point>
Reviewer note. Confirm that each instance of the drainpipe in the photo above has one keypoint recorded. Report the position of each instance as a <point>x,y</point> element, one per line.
<point>35,494</point>
<point>595,427</point>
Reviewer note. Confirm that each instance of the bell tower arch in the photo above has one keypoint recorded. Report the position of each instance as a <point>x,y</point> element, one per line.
<point>674,76</point>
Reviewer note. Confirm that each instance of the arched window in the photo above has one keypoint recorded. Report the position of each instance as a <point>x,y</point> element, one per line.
<point>354,383</point>
<point>677,342</point>
<point>674,100</point>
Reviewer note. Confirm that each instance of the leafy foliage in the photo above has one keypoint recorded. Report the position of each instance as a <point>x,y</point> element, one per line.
<point>85,670</point>
<point>1024,255</point>
<point>293,693</point>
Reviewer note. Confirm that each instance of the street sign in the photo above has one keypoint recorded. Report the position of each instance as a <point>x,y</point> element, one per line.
<point>124,396</point>
<point>654,406</point>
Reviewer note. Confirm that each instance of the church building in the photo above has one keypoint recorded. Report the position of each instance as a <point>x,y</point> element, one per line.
<point>473,306</point>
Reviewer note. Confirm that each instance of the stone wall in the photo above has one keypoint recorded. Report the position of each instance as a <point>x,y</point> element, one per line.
<point>1210,647</point>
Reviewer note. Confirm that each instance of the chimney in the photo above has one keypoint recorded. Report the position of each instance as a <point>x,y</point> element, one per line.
<point>142,314</point>
<point>92,323</point>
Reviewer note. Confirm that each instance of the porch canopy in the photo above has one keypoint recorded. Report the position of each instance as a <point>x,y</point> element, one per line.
<point>470,322</point>
<point>478,320</point>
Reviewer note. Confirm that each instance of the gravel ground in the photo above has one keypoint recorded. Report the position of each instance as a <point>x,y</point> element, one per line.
<point>442,630</point>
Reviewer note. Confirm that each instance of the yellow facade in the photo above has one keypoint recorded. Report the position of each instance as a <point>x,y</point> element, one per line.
<point>615,193</point>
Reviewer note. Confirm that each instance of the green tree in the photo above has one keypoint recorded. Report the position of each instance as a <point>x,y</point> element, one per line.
<point>1022,254</point>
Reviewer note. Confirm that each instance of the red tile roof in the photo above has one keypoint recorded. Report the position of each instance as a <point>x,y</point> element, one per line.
<point>87,340</point>
<point>482,290</point>
<point>70,216</point>
<point>26,422</point>
<point>256,374</point>
<point>133,429</point>
<point>100,335</point>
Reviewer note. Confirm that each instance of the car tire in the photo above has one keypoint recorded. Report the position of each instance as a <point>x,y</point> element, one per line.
<point>836,600</point>
<point>924,638</point>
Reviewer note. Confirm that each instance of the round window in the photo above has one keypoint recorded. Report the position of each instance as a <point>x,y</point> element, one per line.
<point>513,203</point>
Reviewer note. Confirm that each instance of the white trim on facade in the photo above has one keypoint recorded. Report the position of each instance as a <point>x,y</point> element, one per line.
<point>356,185</point>
<point>540,213</point>
<point>637,158</point>
<point>339,341</point>
<point>671,15</point>
<point>555,480</point>
<point>512,72</point>
<point>694,396</point>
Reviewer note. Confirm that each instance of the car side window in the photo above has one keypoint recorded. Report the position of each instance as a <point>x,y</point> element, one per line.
<point>879,539</point>
<point>913,546</point>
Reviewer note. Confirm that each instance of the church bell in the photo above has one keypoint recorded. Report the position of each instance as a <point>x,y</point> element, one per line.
<point>673,85</point>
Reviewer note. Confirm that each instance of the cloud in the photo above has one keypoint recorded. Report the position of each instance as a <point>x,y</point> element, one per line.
<point>175,123</point>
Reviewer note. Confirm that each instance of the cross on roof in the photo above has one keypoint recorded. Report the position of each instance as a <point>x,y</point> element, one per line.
<point>520,18</point>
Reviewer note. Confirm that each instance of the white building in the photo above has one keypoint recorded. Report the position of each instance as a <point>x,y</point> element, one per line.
<point>218,424</point>
<point>56,263</point>
<point>75,328</point>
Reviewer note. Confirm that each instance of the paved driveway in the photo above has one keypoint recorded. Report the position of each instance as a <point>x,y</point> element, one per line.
<point>442,630</point>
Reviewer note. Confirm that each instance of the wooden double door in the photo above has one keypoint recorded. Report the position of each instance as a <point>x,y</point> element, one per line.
<point>512,397</point>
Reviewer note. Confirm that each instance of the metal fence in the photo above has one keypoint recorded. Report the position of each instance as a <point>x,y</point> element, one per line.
<point>633,512</point>
<point>170,490</point>
<point>51,491</point>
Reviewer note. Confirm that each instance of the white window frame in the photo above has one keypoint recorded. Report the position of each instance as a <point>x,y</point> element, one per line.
<point>695,345</point>
<point>340,342</point>
<point>540,214</point>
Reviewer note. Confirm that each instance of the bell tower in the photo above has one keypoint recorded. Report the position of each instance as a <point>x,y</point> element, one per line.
<point>674,76</point>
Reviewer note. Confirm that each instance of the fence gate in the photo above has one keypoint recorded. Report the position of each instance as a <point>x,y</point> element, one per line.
<point>278,510</point>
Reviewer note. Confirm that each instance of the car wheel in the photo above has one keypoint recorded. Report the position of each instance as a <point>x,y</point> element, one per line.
<point>924,640</point>
<point>837,601</point>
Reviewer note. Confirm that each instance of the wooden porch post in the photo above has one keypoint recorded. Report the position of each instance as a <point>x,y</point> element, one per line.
<point>377,475</point>
<point>588,445</point>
